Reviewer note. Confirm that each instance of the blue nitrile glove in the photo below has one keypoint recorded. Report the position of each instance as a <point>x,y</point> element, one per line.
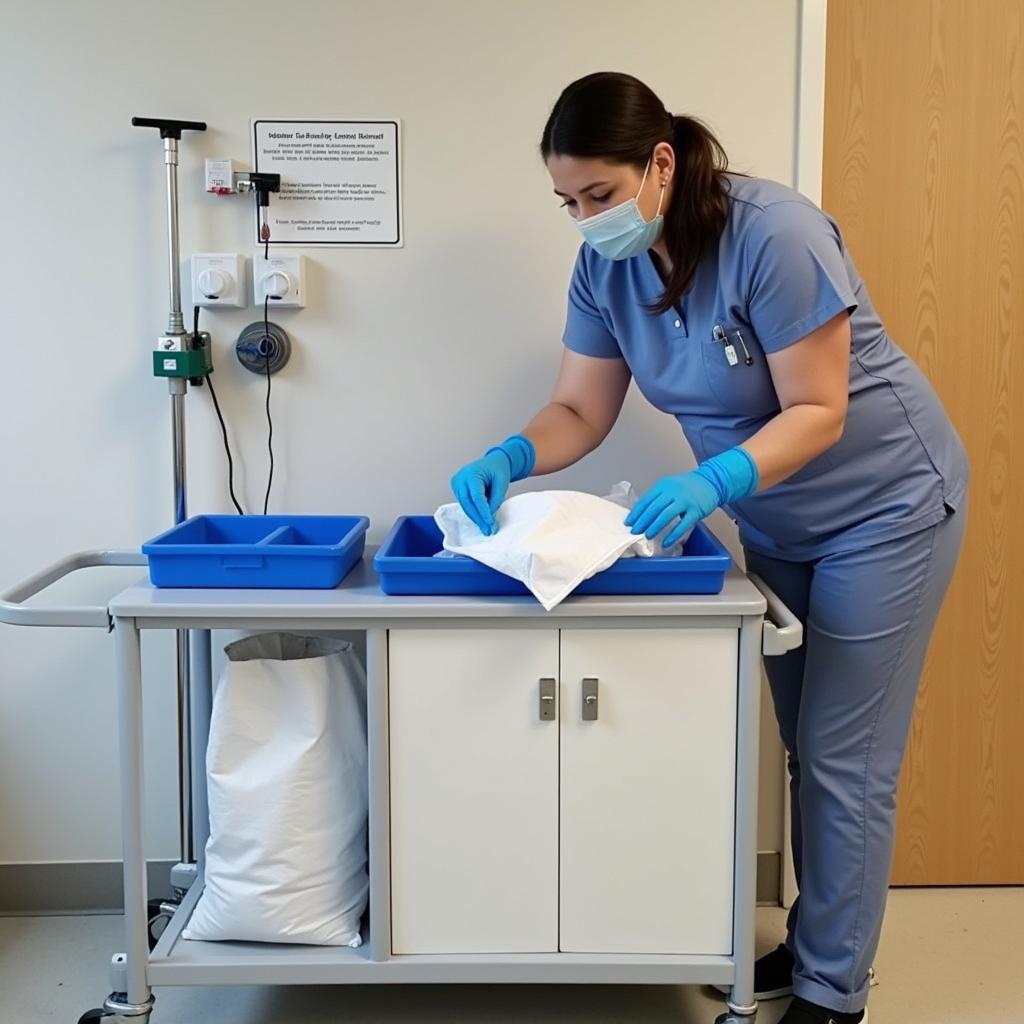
<point>481,486</point>
<point>693,496</point>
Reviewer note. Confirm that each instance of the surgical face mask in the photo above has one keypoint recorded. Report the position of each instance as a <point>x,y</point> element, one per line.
<point>622,232</point>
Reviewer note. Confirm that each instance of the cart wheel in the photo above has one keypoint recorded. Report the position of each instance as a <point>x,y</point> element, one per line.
<point>732,1018</point>
<point>102,1016</point>
<point>158,920</point>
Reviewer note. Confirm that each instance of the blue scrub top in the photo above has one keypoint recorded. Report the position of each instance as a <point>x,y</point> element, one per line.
<point>779,271</point>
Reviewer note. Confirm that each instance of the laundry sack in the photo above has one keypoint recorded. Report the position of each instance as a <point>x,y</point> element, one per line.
<point>549,540</point>
<point>287,782</point>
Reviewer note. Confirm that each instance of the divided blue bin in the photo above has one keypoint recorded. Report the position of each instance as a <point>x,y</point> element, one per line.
<point>274,552</point>
<point>406,565</point>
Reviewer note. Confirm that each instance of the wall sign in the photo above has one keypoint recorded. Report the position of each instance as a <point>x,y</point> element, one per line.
<point>339,181</point>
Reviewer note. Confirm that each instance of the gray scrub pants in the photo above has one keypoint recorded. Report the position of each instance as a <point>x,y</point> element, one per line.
<point>844,703</point>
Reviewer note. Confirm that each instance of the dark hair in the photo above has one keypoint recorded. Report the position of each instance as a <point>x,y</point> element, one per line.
<point>617,118</point>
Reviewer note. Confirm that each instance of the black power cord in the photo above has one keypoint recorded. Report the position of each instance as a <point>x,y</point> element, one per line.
<point>223,426</point>
<point>266,185</point>
<point>268,347</point>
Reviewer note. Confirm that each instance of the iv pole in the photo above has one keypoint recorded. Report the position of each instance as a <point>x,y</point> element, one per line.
<point>176,359</point>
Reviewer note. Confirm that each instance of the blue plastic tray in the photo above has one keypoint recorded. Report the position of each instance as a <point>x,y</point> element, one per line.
<point>406,565</point>
<point>276,552</point>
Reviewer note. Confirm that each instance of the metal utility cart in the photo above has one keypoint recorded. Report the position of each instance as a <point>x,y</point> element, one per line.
<point>554,797</point>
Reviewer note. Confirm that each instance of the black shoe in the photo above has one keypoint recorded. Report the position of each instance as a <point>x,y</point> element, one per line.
<point>773,976</point>
<point>802,1012</point>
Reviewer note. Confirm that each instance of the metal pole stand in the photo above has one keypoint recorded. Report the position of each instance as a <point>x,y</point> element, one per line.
<point>179,359</point>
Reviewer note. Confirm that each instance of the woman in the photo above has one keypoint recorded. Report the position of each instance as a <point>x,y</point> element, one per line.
<point>733,304</point>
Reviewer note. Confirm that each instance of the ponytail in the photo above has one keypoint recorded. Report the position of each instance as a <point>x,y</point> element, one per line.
<point>696,216</point>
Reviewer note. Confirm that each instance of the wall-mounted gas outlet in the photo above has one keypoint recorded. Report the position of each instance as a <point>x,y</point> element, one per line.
<point>218,279</point>
<point>283,278</point>
<point>261,350</point>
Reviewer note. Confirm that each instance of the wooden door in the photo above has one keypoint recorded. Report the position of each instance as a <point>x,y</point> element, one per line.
<point>474,791</point>
<point>648,791</point>
<point>924,170</point>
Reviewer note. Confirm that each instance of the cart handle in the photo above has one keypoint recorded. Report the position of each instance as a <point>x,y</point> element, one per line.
<point>13,610</point>
<point>783,631</point>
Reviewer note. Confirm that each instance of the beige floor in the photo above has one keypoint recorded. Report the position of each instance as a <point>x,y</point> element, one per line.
<point>947,957</point>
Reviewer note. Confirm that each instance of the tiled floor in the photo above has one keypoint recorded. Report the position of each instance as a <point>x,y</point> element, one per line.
<point>947,957</point>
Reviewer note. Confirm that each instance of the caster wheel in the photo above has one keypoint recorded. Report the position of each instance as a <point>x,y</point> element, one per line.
<point>158,920</point>
<point>732,1018</point>
<point>91,1016</point>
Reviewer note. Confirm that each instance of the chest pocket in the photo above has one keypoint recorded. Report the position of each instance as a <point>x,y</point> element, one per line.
<point>739,389</point>
<point>744,393</point>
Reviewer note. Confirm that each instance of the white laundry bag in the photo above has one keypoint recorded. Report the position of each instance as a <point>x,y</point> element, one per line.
<point>550,540</point>
<point>287,779</point>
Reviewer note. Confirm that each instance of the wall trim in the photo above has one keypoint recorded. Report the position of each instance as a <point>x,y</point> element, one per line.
<point>72,887</point>
<point>769,878</point>
<point>810,98</point>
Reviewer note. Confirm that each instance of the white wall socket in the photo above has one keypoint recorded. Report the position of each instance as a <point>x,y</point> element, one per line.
<point>283,278</point>
<point>218,279</point>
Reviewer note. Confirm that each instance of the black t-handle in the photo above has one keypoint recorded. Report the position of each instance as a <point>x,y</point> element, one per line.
<point>169,128</point>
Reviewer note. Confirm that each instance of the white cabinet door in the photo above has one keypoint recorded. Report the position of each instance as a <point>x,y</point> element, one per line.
<point>647,791</point>
<point>474,791</point>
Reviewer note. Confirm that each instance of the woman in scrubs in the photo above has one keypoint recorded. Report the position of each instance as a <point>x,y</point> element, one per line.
<point>734,305</point>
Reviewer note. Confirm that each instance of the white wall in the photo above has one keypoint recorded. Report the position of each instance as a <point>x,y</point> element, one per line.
<point>406,362</point>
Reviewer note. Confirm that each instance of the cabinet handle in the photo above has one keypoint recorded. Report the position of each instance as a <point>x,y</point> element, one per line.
<point>547,700</point>
<point>590,703</point>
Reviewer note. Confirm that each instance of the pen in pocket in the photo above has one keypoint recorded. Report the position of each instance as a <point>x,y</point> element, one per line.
<point>719,334</point>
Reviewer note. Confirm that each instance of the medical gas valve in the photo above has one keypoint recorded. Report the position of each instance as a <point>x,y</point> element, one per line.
<point>281,279</point>
<point>218,279</point>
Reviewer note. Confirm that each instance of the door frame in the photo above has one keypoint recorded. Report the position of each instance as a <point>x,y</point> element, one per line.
<point>808,157</point>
